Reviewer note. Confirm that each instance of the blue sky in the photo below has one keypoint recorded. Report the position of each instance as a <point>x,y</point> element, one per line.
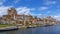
<point>33,7</point>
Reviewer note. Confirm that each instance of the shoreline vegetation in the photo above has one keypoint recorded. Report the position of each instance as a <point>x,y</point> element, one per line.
<point>34,25</point>
<point>7,27</point>
<point>14,26</point>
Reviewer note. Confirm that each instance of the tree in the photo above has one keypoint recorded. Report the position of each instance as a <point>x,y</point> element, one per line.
<point>30,18</point>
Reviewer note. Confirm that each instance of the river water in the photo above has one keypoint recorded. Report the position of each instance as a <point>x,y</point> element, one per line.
<point>37,30</point>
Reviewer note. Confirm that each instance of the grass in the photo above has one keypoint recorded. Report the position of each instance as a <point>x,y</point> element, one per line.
<point>5,25</point>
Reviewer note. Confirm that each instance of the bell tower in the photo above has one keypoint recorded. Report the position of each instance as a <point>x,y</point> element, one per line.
<point>12,12</point>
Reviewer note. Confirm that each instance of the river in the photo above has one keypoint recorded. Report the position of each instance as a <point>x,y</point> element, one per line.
<point>37,30</point>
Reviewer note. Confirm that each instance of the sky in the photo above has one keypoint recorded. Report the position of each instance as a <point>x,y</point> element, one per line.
<point>33,7</point>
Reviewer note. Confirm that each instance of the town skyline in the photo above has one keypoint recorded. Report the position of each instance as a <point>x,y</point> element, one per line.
<point>34,7</point>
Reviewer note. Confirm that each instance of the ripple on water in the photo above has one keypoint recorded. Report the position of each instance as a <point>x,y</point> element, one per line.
<point>37,30</point>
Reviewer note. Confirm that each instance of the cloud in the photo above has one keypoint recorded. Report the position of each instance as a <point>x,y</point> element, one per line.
<point>48,12</point>
<point>39,15</point>
<point>43,8</point>
<point>13,2</point>
<point>3,10</point>
<point>49,2</point>
<point>16,1</point>
<point>32,9</point>
<point>57,17</point>
<point>24,10</point>
<point>1,2</point>
<point>20,10</point>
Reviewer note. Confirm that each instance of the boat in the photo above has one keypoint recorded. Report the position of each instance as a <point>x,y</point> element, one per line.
<point>30,26</point>
<point>48,25</point>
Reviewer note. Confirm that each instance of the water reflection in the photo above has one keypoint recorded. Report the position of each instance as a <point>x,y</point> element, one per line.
<point>8,32</point>
<point>38,30</point>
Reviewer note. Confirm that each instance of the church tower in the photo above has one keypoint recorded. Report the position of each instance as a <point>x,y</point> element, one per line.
<point>12,12</point>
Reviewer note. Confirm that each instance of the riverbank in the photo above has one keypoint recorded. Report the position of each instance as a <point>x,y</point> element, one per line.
<point>13,27</point>
<point>33,26</point>
<point>7,27</point>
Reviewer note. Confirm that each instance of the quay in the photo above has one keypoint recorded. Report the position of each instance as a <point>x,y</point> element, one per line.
<point>8,28</point>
